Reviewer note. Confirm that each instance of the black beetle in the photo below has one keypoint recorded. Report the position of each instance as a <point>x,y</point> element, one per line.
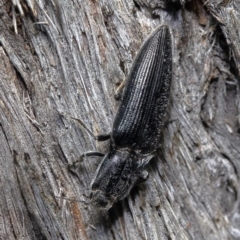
<point>138,122</point>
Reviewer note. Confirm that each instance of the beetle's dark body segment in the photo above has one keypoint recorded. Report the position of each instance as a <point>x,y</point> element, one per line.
<point>138,122</point>
<point>140,116</point>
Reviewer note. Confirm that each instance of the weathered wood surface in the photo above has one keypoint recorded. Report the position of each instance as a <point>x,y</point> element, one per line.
<point>66,62</point>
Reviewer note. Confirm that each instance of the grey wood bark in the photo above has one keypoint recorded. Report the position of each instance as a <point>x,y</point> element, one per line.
<point>59,75</point>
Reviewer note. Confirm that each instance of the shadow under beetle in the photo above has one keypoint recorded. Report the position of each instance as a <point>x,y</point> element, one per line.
<point>138,123</point>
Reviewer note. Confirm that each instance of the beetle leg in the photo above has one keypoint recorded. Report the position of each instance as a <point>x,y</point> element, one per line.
<point>142,177</point>
<point>87,154</point>
<point>119,90</point>
<point>75,165</point>
<point>90,154</point>
<point>102,137</point>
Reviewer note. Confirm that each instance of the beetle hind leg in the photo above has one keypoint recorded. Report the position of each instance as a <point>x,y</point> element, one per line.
<point>102,137</point>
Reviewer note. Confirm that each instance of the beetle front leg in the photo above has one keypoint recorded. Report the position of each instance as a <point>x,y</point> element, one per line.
<point>75,165</point>
<point>86,154</point>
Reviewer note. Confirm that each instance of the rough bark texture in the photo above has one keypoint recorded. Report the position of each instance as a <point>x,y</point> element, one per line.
<point>62,70</point>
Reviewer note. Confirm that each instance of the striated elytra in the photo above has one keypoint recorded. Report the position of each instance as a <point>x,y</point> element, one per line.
<point>138,122</point>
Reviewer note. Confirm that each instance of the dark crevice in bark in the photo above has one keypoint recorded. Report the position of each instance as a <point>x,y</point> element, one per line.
<point>137,6</point>
<point>6,136</point>
<point>35,227</point>
<point>18,73</point>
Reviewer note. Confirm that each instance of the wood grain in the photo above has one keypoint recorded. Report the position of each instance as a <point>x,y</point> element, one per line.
<point>66,62</point>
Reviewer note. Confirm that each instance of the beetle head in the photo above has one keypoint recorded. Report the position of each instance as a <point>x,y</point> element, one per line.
<point>118,172</point>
